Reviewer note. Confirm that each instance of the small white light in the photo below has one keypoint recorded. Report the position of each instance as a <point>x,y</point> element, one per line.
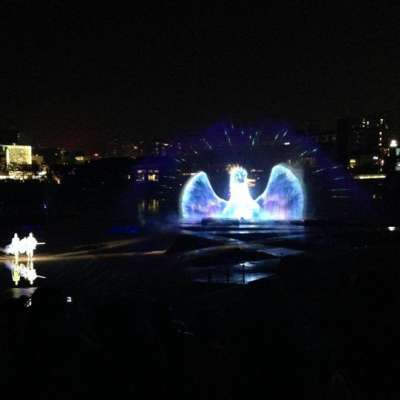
<point>391,228</point>
<point>393,143</point>
<point>375,158</point>
<point>286,144</point>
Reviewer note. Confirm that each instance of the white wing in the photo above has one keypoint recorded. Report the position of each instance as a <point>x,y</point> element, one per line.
<point>198,199</point>
<point>283,198</point>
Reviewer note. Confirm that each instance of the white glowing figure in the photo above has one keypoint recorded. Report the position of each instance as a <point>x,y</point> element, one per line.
<point>240,204</point>
<point>30,245</point>
<point>26,245</point>
<point>283,198</point>
<point>14,247</point>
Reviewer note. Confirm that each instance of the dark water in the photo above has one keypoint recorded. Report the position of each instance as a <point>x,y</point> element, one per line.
<point>86,256</point>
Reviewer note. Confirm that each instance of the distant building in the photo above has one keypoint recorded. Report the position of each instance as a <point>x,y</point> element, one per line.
<point>162,148</point>
<point>18,163</point>
<point>54,156</point>
<point>364,143</point>
<point>157,175</point>
<point>118,148</point>
<point>326,140</point>
<point>16,155</point>
<point>324,137</point>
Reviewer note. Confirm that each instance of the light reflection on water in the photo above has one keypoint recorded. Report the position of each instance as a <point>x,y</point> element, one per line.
<point>23,271</point>
<point>239,274</point>
<point>233,277</point>
<point>147,208</point>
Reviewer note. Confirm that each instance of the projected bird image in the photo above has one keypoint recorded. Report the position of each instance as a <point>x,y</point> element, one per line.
<point>282,199</point>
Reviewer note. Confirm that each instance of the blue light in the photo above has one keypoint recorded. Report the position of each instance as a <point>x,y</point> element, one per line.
<point>283,198</point>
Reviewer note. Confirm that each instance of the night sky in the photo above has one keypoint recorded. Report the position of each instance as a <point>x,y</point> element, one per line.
<point>79,75</point>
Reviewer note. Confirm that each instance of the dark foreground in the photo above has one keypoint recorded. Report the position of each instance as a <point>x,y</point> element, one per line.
<point>283,311</point>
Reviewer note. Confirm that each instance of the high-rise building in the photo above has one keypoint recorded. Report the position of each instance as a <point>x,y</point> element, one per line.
<point>364,143</point>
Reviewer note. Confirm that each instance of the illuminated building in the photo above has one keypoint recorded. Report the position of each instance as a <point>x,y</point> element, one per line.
<point>17,155</point>
<point>156,177</point>
<point>18,163</point>
<point>364,143</point>
<point>80,158</point>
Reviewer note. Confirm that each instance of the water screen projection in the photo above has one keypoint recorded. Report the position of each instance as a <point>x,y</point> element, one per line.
<point>282,199</point>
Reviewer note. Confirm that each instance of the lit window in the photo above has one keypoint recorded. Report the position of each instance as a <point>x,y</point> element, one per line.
<point>152,175</point>
<point>140,175</point>
<point>352,163</point>
<point>153,206</point>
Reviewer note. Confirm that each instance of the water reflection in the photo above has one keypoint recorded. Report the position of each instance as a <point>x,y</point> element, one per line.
<point>25,271</point>
<point>148,207</point>
<point>239,274</point>
<point>153,206</point>
<point>141,212</point>
<point>228,277</point>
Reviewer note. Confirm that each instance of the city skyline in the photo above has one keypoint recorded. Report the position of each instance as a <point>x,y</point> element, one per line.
<point>76,77</point>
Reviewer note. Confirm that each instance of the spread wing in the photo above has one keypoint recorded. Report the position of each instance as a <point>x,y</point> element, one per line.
<point>283,198</point>
<point>198,199</point>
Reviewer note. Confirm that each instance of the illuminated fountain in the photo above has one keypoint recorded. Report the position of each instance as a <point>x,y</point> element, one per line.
<point>282,199</point>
